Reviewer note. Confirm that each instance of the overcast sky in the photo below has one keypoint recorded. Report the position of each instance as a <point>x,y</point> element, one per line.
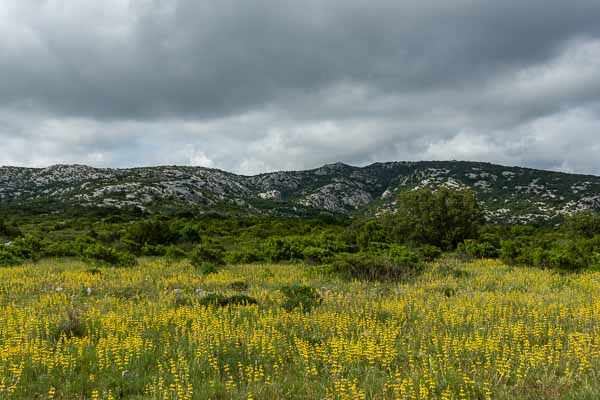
<point>256,86</point>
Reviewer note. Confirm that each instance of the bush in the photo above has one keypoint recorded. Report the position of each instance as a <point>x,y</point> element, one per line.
<point>443,218</point>
<point>584,223</point>
<point>402,255</point>
<point>219,300</point>
<point>146,249</point>
<point>241,299</point>
<point>300,297</point>
<point>372,231</point>
<point>310,248</point>
<point>315,255</point>
<point>28,248</point>
<point>60,249</point>
<point>283,249</point>
<point>207,253</point>
<point>171,252</point>
<point>213,299</point>
<point>374,267</point>
<point>399,252</point>
<point>9,231</point>
<point>152,232</point>
<point>83,242</point>
<point>190,232</point>
<point>478,249</point>
<point>174,253</point>
<point>207,268</point>
<point>8,258</point>
<point>239,285</point>
<point>246,255</point>
<point>428,252</point>
<point>566,255</point>
<point>513,252</point>
<point>108,255</point>
<point>595,262</point>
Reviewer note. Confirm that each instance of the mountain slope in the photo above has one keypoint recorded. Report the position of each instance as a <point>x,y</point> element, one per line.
<point>507,194</point>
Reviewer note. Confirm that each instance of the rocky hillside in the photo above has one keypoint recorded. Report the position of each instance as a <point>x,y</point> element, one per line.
<point>508,194</point>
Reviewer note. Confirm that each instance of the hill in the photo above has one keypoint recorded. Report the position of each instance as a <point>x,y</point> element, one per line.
<point>507,194</point>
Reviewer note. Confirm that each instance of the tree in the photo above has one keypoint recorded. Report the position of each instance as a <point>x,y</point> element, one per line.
<point>442,218</point>
<point>9,231</point>
<point>372,231</point>
<point>148,232</point>
<point>584,223</point>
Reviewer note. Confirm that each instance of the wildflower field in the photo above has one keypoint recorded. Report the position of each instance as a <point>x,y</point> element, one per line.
<point>477,330</point>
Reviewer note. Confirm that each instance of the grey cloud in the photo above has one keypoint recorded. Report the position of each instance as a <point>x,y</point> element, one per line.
<point>265,85</point>
<point>189,58</point>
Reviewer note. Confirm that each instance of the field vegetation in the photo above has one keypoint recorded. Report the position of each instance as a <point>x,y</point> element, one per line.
<point>426,303</point>
<point>163,330</point>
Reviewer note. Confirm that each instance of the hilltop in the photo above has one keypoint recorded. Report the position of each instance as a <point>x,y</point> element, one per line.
<point>507,194</point>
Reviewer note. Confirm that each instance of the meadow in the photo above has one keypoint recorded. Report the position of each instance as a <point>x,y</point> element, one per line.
<point>460,330</point>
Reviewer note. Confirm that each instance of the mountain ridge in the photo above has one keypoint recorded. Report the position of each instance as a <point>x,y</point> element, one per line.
<point>507,193</point>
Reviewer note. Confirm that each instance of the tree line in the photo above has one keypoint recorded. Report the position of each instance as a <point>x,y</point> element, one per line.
<point>426,224</point>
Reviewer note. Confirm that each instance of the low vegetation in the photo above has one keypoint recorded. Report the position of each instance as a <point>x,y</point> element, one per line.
<point>426,303</point>
<point>428,224</point>
<point>161,330</point>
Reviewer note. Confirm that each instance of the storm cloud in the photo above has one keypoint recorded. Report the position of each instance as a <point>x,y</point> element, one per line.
<point>265,85</point>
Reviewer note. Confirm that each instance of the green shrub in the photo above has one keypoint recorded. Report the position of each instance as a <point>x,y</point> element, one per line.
<point>478,249</point>
<point>241,299</point>
<point>374,267</point>
<point>302,297</point>
<point>207,253</point>
<point>514,252</point>
<point>443,218</point>
<point>8,258</point>
<point>148,249</point>
<point>568,256</point>
<point>213,299</point>
<point>402,255</point>
<point>28,248</point>
<point>174,253</point>
<point>83,242</point>
<point>207,268</point>
<point>108,255</point>
<point>595,261</point>
<point>239,285</point>
<point>171,252</point>
<point>429,252</point>
<point>60,249</point>
<point>372,231</point>
<point>219,300</point>
<point>9,231</point>
<point>184,299</point>
<point>315,255</point>
<point>190,232</point>
<point>152,232</point>
<point>246,255</point>
<point>584,223</point>
<point>283,249</point>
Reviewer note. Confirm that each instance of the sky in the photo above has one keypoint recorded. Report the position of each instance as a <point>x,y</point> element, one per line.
<point>264,85</point>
